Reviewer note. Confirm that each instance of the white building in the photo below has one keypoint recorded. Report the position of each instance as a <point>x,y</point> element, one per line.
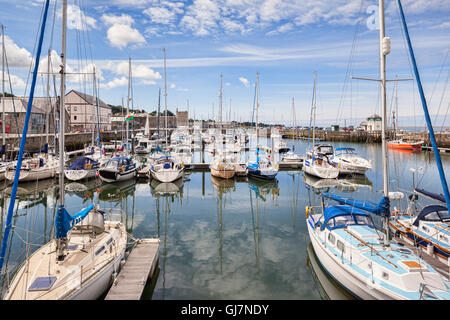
<point>373,123</point>
<point>82,109</point>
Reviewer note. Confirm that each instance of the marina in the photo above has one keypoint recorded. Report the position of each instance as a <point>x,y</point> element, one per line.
<point>146,201</point>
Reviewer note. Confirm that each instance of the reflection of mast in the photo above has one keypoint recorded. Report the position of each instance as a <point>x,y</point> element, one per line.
<point>158,217</point>
<point>219,211</point>
<point>165,246</point>
<point>255,225</point>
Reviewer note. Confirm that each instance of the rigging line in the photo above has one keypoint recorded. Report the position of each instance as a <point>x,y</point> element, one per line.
<point>350,62</point>
<point>445,117</point>
<point>438,78</point>
<point>34,50</point>
<point>12,99</point>
<point>442,97</point>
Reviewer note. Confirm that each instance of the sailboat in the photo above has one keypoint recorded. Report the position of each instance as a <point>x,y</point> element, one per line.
<point>86,251</point>
<point>221,166</point>
<point>121,168</point>
<point>263,166</point>
<point>350,248</point>
<point>317,160</point>
<point>41,166</point>
<point>166,169</point>
<point>429,228</point>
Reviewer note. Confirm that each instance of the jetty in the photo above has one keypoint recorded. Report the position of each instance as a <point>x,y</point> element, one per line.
<point>139,266</point>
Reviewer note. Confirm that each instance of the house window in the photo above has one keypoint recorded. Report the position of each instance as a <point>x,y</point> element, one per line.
<point>75,108</point>
<point>74,117</point>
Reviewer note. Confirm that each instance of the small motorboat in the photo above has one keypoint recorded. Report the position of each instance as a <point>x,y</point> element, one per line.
<point>118,169</point>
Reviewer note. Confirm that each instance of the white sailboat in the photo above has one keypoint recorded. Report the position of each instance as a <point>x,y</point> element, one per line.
<point>352,251</point>
<point>317,160</point>
<point>87,250</point>
<point>166,169</point>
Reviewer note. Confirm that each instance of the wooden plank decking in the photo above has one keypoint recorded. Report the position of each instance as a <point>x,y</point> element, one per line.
<point>139,266</point>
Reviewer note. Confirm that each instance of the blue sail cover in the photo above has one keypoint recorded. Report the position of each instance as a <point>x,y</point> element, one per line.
<point>435,196</point>
<point>3,149</point>
<point>43,150</point>
<point>64,221</point>
<point>82,163</point>
<point>382,208</point>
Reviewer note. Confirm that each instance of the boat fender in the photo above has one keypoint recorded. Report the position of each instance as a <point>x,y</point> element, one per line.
<point>87,166</point>
<point>123,168</point>
<point>307,212</point>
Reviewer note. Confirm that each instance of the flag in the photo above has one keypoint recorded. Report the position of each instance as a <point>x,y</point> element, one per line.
<point>129,117</point>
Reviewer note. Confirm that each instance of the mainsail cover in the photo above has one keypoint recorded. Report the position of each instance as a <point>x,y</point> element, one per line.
<point>64,221</point>
<point>382,208</point>
<point>435,196</point>
<point>83,163</point>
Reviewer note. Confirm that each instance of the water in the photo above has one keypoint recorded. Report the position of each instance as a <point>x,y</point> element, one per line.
<point>238,239</point>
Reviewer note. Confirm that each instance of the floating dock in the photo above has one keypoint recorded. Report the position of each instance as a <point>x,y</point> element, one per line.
<point>139,267</point>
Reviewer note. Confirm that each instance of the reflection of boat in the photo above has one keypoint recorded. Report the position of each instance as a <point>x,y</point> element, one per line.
<point>115,192</point>
<point>223,185</point>
<point>318,183</point>
<point>352,183</point>
<point>328,286</point>
<point>166,188</point>
<point>264,187</point>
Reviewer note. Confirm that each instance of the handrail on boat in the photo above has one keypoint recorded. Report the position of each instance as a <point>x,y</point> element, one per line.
<point>372,248</point>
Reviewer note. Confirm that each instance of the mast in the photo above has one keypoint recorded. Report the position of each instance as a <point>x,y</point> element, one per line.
<point>128,98</point>
<point>23,140</point>
<point>157,119</point>
<point>257,106</point>
<point>3,90</point>
<point>165,93</point>
<point>220,104</point>
<point>425,109</point>
<point>47,111</point>
<point>314,108</point>
<point>61,242</point>
<point>384,50</point>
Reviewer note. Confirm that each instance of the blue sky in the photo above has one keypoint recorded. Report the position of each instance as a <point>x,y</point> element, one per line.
<point>285,41</point>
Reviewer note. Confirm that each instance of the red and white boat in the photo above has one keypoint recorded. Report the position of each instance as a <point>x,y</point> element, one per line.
<point>405,144</point>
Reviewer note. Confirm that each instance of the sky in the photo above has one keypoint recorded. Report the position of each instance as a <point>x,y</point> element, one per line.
<point>285,42</point>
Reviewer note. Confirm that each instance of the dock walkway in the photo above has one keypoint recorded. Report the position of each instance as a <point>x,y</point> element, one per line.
<point>139,266</point>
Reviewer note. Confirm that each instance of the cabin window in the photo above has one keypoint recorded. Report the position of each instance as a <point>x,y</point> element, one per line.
<point>344,220</point>
<point>340,246</point>
<point>385,275</point>
<point>443,238</point>
<point>100,250</point>
<point>331,238</point>
<point>424,228</point>
<point>363,220</point>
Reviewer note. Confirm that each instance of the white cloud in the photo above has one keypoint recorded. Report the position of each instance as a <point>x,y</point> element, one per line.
<point>17,57</point>
<point>160,15</point>
<point>137,70</point>
<point>201,17</point>
<point>116,82</point>
<point>244,81</point>
<point>16,82</point>
<point>76,19</point>
<point>121,35</point>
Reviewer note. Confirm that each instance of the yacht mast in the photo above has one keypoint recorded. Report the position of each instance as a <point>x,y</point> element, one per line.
<point>3,90</point>
<point>314,108</point>
<point>165,93</point>
<point>128,99</point>
<point>61,242</point>
<point>384,50</point>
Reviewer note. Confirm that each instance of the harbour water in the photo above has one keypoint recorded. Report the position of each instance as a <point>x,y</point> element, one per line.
<point>220,239</point>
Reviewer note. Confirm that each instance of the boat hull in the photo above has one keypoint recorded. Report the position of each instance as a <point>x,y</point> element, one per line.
<point>262,174</point>
<point>321,172</point>
<point>110,175</point>
<point>76,175</point>
<point>405,146</point>
<point>167,176</point>
<point>224,174</point>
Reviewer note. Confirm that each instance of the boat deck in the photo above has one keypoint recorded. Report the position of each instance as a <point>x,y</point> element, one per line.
<point>139,266</point>
<point>439,266</point>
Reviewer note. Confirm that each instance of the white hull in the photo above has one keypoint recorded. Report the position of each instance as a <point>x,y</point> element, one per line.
<point>119,176</point>
<point>45,172</point>
<point>76,175</point>
<point>167,175</point>
<point>321,172</point>
<point>360,288</point>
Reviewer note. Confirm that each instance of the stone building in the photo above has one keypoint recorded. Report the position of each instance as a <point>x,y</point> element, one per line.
<point>82,109</point>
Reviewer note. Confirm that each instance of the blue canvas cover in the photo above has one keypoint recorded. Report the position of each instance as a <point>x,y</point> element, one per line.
<point>428,209</point>
<point>82,163</point>
<point>64,221</point>
<point>3,149</point>
<point>382,208</point>
<point>435,196</point>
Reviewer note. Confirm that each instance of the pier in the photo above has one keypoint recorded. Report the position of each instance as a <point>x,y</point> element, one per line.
<point>139,267</point>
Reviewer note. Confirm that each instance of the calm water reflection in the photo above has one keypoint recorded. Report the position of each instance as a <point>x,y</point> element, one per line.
<point>237,239</point>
